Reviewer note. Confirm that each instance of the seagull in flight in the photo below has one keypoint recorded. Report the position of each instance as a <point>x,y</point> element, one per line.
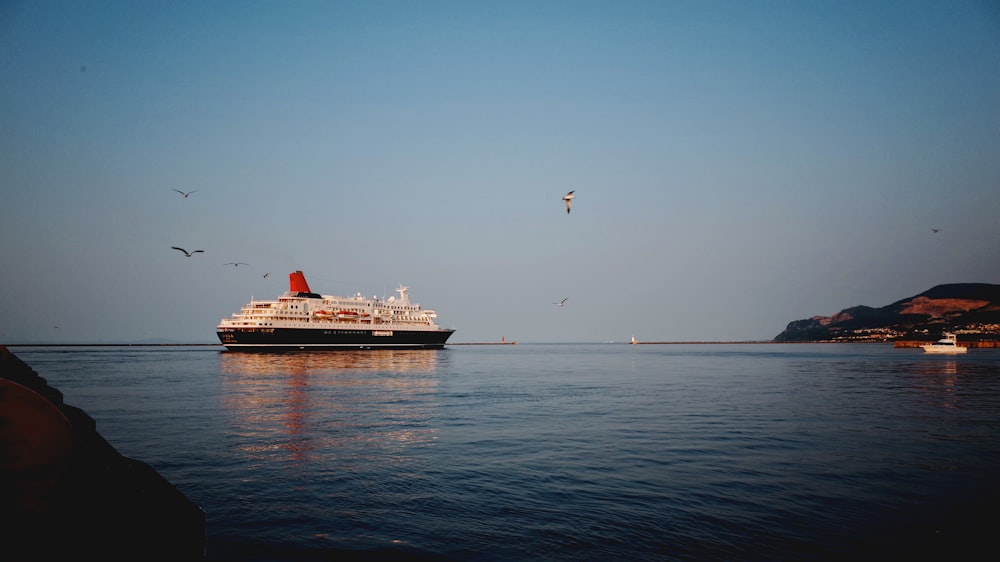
<point>187,253</point>
<point>236,263</point>
<point>935,230</point>
<point>568,198</point>
<point>185,193</point>
<point>266,274</point>
<point>562,302</point>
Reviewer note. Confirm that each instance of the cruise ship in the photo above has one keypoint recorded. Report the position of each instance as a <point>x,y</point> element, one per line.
<point>303,320</point>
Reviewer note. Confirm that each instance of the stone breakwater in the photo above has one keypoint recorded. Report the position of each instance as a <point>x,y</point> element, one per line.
<point>67,494</point>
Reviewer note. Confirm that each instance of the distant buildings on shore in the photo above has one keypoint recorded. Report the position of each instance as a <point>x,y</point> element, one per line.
<point>974,332</point>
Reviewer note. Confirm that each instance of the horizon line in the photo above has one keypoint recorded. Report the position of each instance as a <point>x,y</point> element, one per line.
<point>622,342</point>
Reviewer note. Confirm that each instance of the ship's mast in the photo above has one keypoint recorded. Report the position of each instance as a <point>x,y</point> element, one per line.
<point>404,298</point>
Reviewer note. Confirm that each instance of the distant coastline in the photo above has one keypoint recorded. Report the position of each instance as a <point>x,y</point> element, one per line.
<point>986,344</point>
<point>715,342</point>
<point>112,344</point>
<point>970,310</point>
<point>623,342</point>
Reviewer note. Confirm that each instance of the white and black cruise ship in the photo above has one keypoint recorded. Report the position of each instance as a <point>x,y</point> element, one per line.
<point>303,320</point>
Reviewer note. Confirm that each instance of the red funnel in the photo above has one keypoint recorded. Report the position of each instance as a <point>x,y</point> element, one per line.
<point>297,282</point>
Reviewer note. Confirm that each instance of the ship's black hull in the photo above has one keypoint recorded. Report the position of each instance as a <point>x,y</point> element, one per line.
<point>294,339</point>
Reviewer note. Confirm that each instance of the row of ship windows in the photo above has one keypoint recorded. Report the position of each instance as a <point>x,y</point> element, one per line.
<point>291,319</point>
<point>336,304</point>
<point>264,312</point>
<point>328,332</point>
<point>301,317</point>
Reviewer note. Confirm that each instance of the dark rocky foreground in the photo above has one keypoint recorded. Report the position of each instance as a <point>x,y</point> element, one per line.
<point>67,494</point>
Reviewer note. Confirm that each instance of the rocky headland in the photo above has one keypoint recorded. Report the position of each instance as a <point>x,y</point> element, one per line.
<point>971,310</point>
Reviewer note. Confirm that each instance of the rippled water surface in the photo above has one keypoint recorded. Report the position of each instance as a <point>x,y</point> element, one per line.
<point>561,451</point>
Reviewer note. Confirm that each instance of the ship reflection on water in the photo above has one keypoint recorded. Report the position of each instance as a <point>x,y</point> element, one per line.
<point>300,408</point>
<point>389,360</point>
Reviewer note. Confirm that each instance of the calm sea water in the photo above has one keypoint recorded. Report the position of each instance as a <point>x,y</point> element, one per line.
<point>561,452</point>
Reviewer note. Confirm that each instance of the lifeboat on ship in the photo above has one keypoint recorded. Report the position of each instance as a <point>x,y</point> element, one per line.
<point>347,315</point>
<point>323,314</point>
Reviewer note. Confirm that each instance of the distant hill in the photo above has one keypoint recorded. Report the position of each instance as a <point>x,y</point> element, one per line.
<point>970,308</point>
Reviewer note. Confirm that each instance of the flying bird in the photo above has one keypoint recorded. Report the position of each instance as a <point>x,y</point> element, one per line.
<point>562,302</point>
<point>935,230</point>
<point>185,193</point>
<point>568,198</point>
<point>266,274</point>
<point>187,253</point>
<point>236,263</point>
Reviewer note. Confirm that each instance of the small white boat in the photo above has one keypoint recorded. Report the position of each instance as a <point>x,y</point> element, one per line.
<point>947,344</point>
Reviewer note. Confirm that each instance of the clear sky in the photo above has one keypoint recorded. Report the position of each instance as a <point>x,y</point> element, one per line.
<point>737,164</point>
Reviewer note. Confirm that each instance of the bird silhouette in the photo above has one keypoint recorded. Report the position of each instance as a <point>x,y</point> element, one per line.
<point>236,263</point>
<point>187,253</point>
<point>185,193</point>
<point>568,198</point>
<point>562,302</point>
<point>935,230</point>
<point>266,274</point>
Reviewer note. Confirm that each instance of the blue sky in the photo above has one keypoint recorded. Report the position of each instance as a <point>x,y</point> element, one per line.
<point>737,165</point>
